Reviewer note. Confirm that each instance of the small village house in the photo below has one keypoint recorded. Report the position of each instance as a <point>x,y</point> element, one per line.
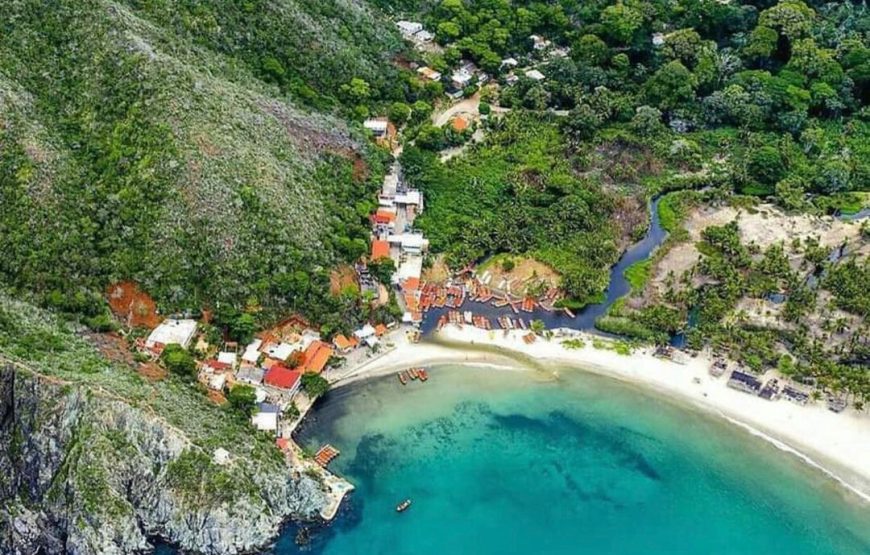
<point>424,36</point>
<point>461,78</point>
<point>378,126</point>
<point>281,377</point>
<point>343,344</point>
<point>410,243</point>
<point>227,358</point>
<point>539,42</point>
<point>429,73</point>
<point>265,420</point>
<point>171,332</point>
<point>252,352</point>
<point>409,28</point>
<point>380,249</point>
<point>250,375</point>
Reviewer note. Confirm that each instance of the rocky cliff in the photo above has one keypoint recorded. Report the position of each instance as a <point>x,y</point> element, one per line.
<point>83,471</point>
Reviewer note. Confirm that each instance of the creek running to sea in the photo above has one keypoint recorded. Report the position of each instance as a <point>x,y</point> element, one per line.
<point>508,462</point>
<point>584,318</point>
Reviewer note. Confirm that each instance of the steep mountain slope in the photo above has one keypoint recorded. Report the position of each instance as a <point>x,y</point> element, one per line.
<point>138,142</point>
<point>95,460</point>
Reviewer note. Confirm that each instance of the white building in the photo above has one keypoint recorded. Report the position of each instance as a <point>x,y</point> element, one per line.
<point>461,78</point>
<point>535,74</point>
<point>658,39</point>
<point>252,352</point>
<point>509,62</point>
<point>410,243</point>
<point>265,421</point>
<point>409,28</point>
<point>217,381</point>
<point>410,267</point>
<point>424,36</point>
<point>408,197</point>
<point>172,332</point>
<point>364,332</point>
<point>227,358</point>
<point>378,126</point>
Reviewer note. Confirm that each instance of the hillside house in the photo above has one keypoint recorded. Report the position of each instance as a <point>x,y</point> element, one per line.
<point>250,375</point>
<point>343,344</point>
<point>171,332</point>
<point>509,63</point>
<point>378,126</point>
<point>252,352</point>
<point>317,356</point>
<point>281,377</point>
<point>265,421</point>
<point>409,243</point>
<point>535,75</point>
<point>461,78</point>
<point>539,43</point>
<point>429,73</point>
<point>424,36</point>
<point>409,28</point>
<point>380,249</point>
<point>227,358</point>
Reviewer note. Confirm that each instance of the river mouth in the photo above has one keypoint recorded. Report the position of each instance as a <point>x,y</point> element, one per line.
<point>583,319</point>
<point>520,462</point>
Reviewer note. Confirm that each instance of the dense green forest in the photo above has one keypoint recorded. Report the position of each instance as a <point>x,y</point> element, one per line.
<point>517,193</point>
<point>142,140</point>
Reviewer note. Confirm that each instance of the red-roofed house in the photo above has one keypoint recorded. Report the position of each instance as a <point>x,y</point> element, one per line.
<point>282,377</point>
<point>380,330</point>
<point>216,366</point>
<point>380,249</point>
<point>283,443</point>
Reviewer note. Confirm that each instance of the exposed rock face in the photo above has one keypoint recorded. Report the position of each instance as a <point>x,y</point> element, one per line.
<point>83,473</point>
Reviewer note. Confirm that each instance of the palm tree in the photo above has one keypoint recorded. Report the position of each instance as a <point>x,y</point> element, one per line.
<point>538,326</point>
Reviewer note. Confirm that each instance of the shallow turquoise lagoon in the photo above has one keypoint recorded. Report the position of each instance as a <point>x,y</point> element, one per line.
<point>517,462</point>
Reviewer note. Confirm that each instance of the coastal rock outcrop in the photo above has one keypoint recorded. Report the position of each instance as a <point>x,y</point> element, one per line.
<point>84,471</point>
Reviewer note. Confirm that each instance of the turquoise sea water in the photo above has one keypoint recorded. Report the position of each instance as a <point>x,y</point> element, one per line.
<point>515,462</point>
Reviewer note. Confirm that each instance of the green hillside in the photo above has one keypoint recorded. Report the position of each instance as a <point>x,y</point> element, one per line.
<point>142,140</point>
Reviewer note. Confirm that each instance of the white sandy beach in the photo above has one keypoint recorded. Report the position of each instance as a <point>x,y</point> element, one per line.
<point>837,444</point>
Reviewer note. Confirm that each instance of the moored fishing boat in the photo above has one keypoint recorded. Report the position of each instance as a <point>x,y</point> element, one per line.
<point>403,506</point>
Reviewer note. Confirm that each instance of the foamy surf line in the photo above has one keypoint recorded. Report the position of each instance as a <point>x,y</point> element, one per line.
<point>782,446</point>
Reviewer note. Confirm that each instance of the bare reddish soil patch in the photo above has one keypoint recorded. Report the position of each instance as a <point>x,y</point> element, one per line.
<point>132,306</point>
<point>341,278</point>
<point>151,371</point>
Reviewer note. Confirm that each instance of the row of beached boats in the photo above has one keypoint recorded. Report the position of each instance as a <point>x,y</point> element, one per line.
<point>413,374</point>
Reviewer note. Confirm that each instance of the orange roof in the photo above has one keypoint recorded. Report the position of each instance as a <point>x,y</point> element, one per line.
<point>342,342</point>
<point>459,124</point>
<point>385,215</point>
<point>411,284</point>
<point>316,356</point>
<point>380,330</point>
<point>282,443</point>
<point>380,249</point>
